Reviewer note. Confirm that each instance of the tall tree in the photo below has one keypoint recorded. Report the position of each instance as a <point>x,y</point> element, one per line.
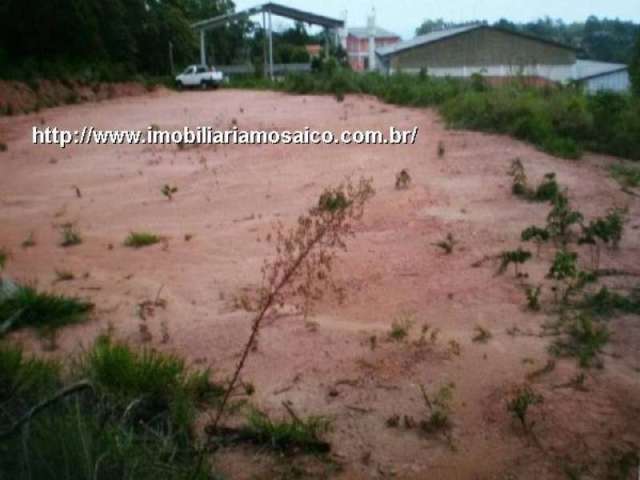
<point>634,68</point>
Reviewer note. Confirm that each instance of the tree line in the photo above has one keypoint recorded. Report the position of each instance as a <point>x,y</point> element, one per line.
<point>123,37</point>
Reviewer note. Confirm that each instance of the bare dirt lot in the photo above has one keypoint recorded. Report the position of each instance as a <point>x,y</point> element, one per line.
<point>227,201</point>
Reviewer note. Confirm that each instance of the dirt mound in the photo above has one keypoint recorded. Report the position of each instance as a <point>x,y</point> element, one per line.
<point>24,97</point>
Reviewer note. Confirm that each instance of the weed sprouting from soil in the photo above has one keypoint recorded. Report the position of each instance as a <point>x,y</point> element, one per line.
<point>4,256</point>
<point>533,297</point>
<point>296,433</point>
<point>169,191</point>
<point>515,257</point>
<point>439,409</point>
<point>584,340</point>
<point>30,241</point>
<point>447,245</point>
<point>535,234</point>
<point>561,219</point>
<point>300,271</point>
<point>70,236</point>
<point>522,399</point>
<point>400,327</point>
<point>403,179</point>
<point>481,334</point>
<point>64,275</point>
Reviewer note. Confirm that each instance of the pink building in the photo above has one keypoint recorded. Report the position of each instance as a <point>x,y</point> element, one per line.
<point>357,45</point>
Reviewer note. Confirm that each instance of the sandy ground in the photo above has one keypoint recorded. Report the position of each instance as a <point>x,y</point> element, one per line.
<point>229,197</point>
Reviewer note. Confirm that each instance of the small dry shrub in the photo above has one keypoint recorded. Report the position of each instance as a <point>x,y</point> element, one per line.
<point>403,179</point>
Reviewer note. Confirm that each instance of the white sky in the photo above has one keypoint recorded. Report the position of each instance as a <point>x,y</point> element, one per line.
<point>403,16</point>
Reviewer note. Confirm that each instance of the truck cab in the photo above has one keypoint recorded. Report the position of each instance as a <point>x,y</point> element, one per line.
<point>199,76</point>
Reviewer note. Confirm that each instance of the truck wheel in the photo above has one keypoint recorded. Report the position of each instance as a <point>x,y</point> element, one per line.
<point>179,85</point>
<point>204,85</point>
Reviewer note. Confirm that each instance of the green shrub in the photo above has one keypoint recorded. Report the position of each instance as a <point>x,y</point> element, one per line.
<point>626,175</point>
<point>584,340</point>
<point>605,302</point>
<point>561,120</point>
<point>562,218</point>
<point>548,189</point>
<point>515,257</point>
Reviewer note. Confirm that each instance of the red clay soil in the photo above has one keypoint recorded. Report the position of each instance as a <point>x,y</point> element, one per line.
<point>230,196</point>
<point>20,97</point>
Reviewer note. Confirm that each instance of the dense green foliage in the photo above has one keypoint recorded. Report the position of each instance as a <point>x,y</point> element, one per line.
<point>634,67</point>
<point>608,40</point>
<point>560,120</point>
<point>133,422</point>
<point>103,39</point>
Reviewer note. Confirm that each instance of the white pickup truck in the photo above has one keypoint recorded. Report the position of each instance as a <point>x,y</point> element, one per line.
<point>199,76</point>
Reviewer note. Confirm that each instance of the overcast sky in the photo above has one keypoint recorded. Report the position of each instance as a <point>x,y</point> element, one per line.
<point>403,16</point>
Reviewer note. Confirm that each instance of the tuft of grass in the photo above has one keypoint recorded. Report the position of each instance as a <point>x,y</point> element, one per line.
<point>627,176</point>
<point>24,306</point>
<point>155,388</point>
<point>400,328</point>
<point>64,275</point>
<point>4,256</point>
<point>304,434</point>
<point>141,239</point>
<point>482,335</point>
<point>533,297</point>
<point>439,409</point>
<point>70,236</point>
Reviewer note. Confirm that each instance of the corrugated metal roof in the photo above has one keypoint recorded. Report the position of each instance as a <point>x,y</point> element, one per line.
<point>363,32</point>
<point>424,39</point>
<point>451,32</point>
<point>586,69</point>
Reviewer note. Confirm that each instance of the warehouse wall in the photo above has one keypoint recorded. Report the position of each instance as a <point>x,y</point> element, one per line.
<point>614,82</point>
<point>482,48</point>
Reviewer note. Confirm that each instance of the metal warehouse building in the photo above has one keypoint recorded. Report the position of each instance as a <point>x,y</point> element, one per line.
<point>497,53</point>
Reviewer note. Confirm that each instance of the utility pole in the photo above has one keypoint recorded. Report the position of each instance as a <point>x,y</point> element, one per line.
<point>270,47</point>
<point>264,42</point>
<point>171,65</point>
<point>203,53</point>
